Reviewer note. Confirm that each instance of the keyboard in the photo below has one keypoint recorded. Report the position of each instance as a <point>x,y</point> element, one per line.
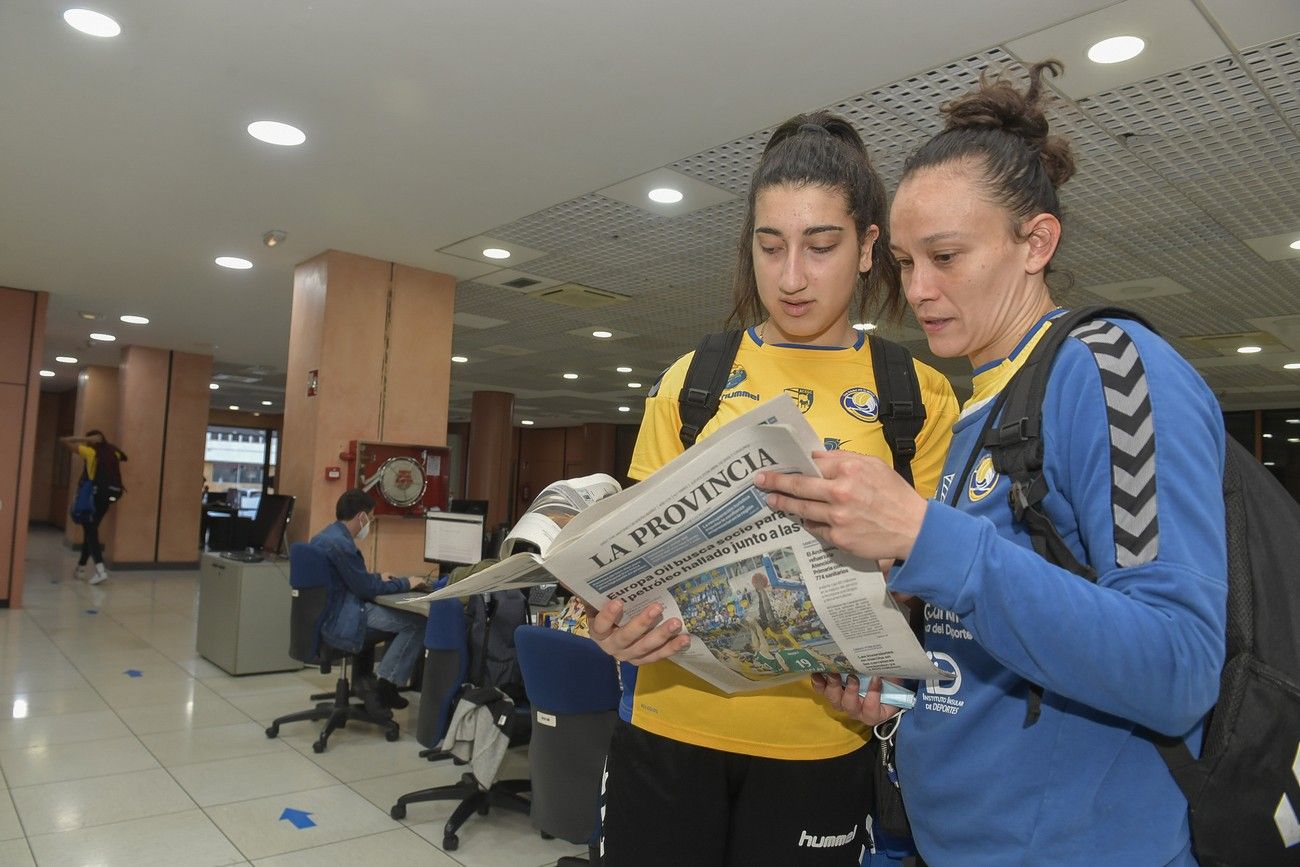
<point>243,556</point>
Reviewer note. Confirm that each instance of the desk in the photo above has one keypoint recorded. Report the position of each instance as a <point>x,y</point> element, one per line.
<point>244,615</point>
<point>397,601</point>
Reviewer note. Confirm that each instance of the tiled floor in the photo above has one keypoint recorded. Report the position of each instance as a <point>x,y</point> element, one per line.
<point>173,767</point>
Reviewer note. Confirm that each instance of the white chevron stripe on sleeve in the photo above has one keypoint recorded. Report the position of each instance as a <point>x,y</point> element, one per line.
<point>1130,403</point>
<point>1121,366</point>
<point>1132,484</point>
<point>1132,524</point>
<point>1125,557</point>
<point>1109,336</point>
<point>1131,444</point>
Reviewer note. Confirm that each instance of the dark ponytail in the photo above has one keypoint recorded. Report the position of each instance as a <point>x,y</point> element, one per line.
<point>821,149</point>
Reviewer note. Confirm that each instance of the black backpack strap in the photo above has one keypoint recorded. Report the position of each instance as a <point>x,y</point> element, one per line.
<point>902,411</point>
<point>1016,444</point>
<point>702,390</point>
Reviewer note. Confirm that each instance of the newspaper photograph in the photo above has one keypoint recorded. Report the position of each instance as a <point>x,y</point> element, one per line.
<point>763,600</point>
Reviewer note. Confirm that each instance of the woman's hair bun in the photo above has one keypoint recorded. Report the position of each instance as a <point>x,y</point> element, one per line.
<point>997,104</point>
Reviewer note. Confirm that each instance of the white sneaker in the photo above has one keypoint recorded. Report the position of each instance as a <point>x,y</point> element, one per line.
<point>79,573</point>
<point>101,574</point>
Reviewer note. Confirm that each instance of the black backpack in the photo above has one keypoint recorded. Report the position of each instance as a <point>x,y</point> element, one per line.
<point>108,473</point>
<point>1243,792</point>
<point>902,412</point>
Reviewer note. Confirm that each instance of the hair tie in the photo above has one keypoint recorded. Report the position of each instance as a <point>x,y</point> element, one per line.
<point>814,128</point>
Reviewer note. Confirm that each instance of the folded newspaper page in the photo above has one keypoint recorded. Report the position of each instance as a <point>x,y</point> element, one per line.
<point>763,600</point>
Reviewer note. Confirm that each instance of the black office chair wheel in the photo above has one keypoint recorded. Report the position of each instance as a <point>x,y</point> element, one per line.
<point>450,842</point>
<point>318,746</point>
<point>398,812</point>
<point>273,731</point>
<point>392,735</point>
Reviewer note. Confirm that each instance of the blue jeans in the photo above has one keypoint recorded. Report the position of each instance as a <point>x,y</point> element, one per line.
<point>403,650</point>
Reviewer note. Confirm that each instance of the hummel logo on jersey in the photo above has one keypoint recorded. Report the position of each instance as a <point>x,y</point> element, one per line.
<point>828,841</point>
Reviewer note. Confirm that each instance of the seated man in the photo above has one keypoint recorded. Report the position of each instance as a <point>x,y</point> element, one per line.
<point>352,610</point>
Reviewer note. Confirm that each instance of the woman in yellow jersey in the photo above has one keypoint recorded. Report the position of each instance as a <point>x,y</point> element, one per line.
<point>776,776</point>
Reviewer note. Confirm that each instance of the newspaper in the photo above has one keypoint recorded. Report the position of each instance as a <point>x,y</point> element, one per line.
<point>763,601</point>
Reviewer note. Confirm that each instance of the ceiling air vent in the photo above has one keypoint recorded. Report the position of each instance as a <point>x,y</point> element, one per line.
<point>577,295</point>
<point>521,283</point>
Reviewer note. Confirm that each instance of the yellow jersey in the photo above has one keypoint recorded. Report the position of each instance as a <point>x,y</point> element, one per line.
<point>835,388</point>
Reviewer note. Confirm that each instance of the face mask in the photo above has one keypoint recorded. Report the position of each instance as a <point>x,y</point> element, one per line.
<point>364,532</point>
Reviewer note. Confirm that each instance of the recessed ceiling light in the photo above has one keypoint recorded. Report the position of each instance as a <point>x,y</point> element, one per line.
<point>527,421</point>
<point>1291,365</point>
<point>634,385</point>
<point>86,314</point>
<point>1267,436</point>
<point>602,334</point>
<point>1249,350</point>
<point>233,406</point>
<point>233,262</point>
<point>570,376</point>
<point>213,386</point>
<point>1293,439</point>
<point>92,23</point>
<point>132,319</point>
<point>102,337</point>
<point>623,369</point>
<point>865,326</point>
<point>665,195</point>
<point>496,253</point>
<point>1295,245</point>
<point>625,409</point>
<point>266,403</point>
<point>1116,49</point>
<point>1293,421</point>
<point>47,373</point>
<point>276,133</point>
<point>65,359</point>
<point>274,237</point>
<point>459,359</point>
<point>1270,463</point>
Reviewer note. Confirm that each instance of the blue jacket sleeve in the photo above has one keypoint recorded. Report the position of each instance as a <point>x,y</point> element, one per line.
<point>1146,641</point>
<point>350,566</point>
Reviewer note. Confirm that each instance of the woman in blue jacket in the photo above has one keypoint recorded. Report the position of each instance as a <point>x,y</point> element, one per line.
<point>1134,475</point>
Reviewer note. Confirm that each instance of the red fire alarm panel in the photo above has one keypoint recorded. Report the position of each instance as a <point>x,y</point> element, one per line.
<point>333,474</point>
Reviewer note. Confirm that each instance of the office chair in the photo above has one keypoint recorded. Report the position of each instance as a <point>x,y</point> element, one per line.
<point>447,666</point>
<point>309,576</point>
<point>574,692</point>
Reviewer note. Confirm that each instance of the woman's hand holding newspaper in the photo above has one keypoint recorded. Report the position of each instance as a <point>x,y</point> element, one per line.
<point>860,504</point>
<point>643,639</point>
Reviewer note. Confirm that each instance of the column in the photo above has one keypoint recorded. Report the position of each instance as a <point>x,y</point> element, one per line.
<point>490,423</point>
<point>375,339</point>
<point>22,344</point>
<point>162,422</point>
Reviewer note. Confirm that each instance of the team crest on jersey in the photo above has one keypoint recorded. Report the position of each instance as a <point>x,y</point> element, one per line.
<point>861,403</point>
<point>831,444</point>
<point>736,378</point>
<point>983,480</point>
<point>802,397</point>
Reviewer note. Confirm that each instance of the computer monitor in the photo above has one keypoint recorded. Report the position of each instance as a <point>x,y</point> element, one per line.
<point>273,514</point>
<point>453,539</point>
<point>469,507</point>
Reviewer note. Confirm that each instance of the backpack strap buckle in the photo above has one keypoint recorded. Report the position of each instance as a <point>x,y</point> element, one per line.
<point>696,396</point>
